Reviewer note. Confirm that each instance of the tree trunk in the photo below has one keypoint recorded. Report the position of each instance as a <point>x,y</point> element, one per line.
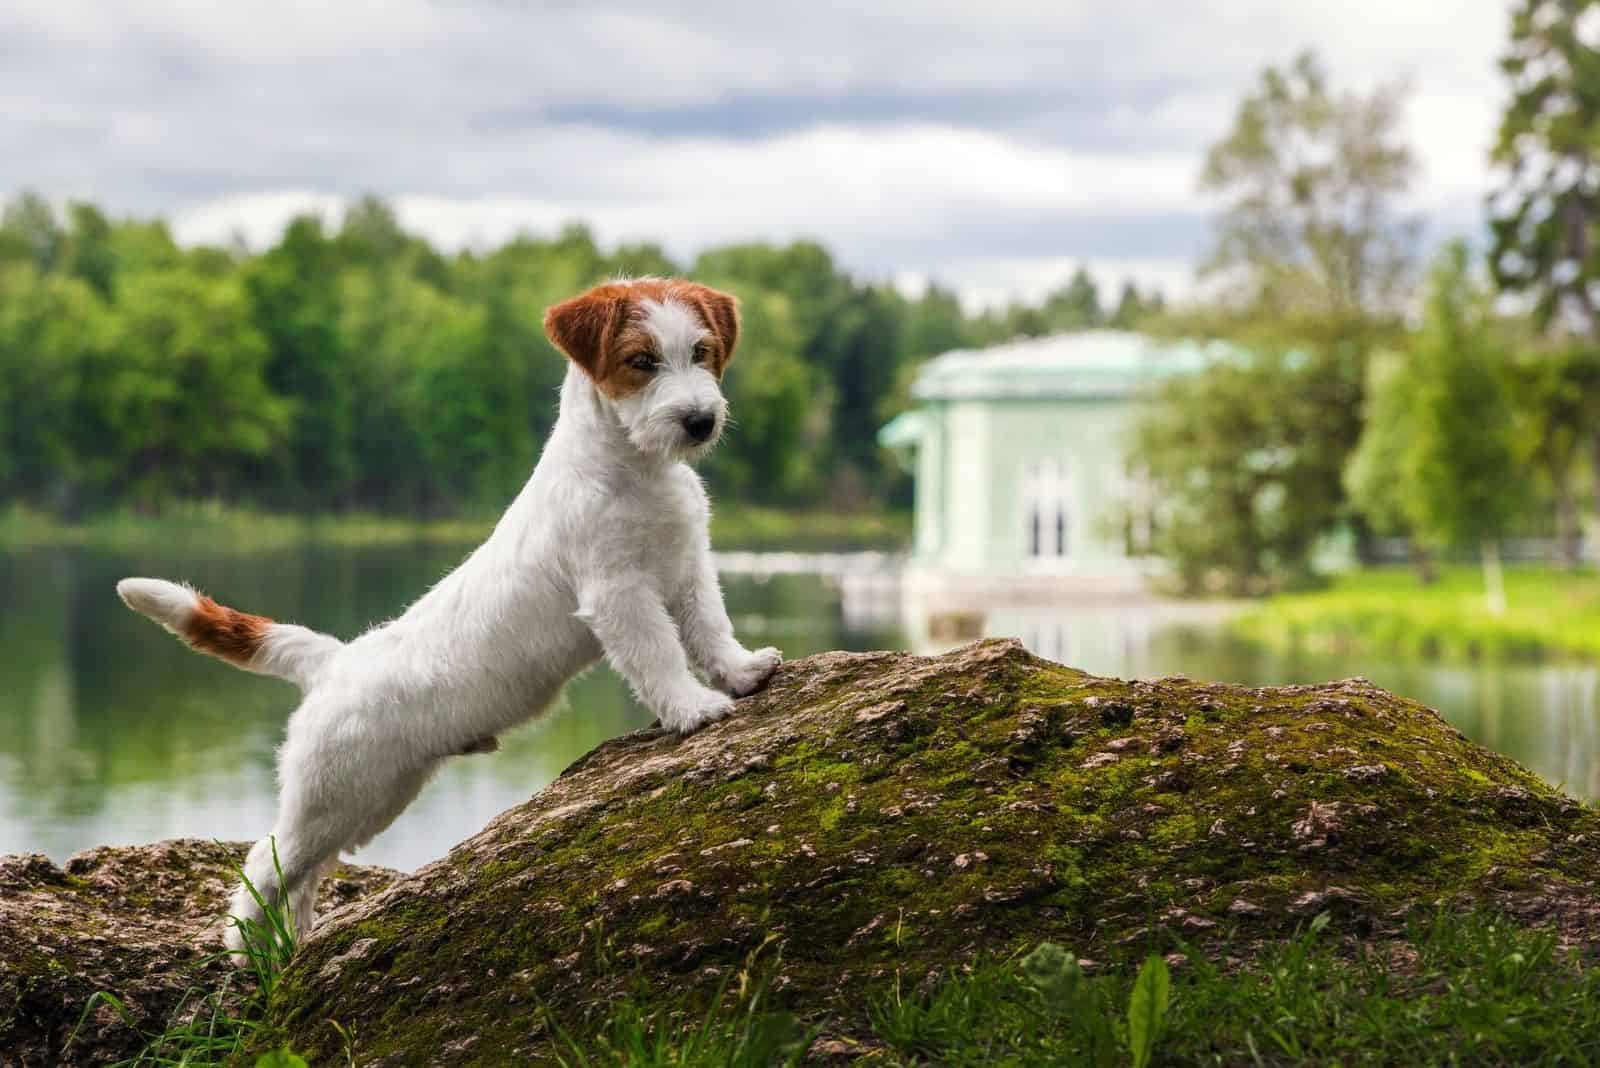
<point>1594,489</point>
<point>1569,534</point>
<point>1494,578</point>
<point>1422,562</point>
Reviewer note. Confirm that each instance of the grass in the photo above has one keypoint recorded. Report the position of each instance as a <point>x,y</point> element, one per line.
<point>243,530</point>
<point>1549,614</point>
<point>209,1026</point>
<point>1457,989</point>
<point>736,1031</point>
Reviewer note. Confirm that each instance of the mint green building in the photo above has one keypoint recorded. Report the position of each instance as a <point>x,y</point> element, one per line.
<point>1020,456</point>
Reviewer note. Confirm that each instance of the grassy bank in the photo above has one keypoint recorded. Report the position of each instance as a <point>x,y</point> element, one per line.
<point>1549,614</point>
<point>246,531</point>
<point>1452,989</point>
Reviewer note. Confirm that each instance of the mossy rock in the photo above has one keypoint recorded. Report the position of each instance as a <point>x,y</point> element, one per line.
<point>137,922</point>
<point>874,817</point>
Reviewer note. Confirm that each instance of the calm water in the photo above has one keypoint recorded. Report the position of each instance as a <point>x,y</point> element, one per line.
<point>111,732</point>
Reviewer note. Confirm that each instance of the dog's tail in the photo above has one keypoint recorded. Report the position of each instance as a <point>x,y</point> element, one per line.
<point>254,643</point>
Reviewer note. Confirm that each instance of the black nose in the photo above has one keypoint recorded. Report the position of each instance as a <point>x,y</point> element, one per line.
<point>699,425</point>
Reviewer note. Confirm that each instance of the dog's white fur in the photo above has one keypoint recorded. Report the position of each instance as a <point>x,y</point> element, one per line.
<point>605,551</point>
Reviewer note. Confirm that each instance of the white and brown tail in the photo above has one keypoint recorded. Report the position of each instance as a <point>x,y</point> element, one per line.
<point>254,643</point>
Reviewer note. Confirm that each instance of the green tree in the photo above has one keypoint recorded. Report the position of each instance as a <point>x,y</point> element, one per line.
<point>31,233</point>
<point>1373,475</point>
<point>180,403</point>
<point>294,294</point>
<point>1545,218</point>
<point>1557,389</point>
<point>1443,433</point>
<point>1309,181</point>
<point>1075,306</point>
<point>1133,307</point>
<point>1314,262</point>
<point>1232,454</point>
<point>935,323</point>
<point>775,435</point>
<point>49,327</point>
<point>851,335</point>
<point>87,249</point>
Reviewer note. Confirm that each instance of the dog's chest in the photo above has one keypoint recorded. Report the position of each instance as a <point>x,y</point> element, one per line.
<point>656,526</point>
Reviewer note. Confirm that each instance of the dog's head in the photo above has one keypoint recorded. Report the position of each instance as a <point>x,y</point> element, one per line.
<point>656,350</point>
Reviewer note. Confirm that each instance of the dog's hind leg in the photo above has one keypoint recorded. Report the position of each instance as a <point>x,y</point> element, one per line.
<point>311,831</point>
<point>308,841</point>
<point>282,870</point>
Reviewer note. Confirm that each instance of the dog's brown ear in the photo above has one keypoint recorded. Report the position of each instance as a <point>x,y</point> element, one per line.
<point>584,326</point>
<point>721,313</point>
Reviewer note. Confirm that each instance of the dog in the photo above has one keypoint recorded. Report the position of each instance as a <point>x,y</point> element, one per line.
<point>605,551</point>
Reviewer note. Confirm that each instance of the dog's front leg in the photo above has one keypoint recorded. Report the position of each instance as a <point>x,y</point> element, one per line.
<point>628,616</point>
<point>708,635</point>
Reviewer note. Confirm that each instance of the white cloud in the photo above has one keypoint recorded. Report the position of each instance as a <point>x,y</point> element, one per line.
<point>990,143</point>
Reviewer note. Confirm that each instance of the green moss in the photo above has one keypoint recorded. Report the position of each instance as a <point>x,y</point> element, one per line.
<point>974,804</point>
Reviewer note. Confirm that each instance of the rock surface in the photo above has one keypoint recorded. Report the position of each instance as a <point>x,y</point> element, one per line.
<point>879,817</point>
<point>138,922</point>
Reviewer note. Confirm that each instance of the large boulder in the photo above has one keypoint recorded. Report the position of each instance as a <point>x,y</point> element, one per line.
<point>874,817</point>
<point>139,923</point>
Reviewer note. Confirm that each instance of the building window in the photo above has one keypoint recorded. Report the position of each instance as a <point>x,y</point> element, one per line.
<point>1047,510</point>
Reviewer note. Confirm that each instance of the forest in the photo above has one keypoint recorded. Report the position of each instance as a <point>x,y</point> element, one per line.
<point>353,367</point>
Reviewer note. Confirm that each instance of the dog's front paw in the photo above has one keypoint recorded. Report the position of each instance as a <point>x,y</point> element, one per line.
<point>748,676</point>
<point>695,709</point>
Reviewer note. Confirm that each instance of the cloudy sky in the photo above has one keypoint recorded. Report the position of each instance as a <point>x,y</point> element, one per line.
<point>990,144</point>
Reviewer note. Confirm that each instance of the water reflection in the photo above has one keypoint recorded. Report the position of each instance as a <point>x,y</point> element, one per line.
<point>1545,715</point>
<point>111,732</point>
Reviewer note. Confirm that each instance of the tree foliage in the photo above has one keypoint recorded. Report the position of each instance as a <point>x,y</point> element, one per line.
<point>1546,217</point>
<point>351,365</point>
<point>1249,454</point>
<point>1309,180</point>
<point>1545,221</point>
<point>1441,453</point>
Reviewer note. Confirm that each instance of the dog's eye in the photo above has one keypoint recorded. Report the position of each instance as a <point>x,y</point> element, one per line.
<point>644,363</point>
<point>702,353</point>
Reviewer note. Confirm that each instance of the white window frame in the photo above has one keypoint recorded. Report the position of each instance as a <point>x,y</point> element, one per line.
<point>1049,506</point>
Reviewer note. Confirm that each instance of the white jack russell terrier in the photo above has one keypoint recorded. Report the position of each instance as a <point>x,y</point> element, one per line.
<point>604,552</point>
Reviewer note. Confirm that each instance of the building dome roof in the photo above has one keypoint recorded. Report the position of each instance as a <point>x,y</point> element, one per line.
<point>1081,364</point>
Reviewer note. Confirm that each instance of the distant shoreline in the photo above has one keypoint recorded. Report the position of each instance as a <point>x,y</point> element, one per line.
<point>245,530</point>
<point>1551,614</point>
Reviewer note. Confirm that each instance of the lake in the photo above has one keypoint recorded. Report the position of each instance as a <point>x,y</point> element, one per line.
<point>112,733</point>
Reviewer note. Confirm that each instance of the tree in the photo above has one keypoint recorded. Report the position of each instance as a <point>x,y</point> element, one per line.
<point>934,324</point>
<point>1315,263</point>
<point>1133,307</point>
<point>294,296</point>
<point>1075,306</point>
<point>1557,395</point>
<point>1545,218</point>
<point>1373,476</point>
<point>49,326</point>
<point>851,335</point>
<point>183,403</point>
<point>1233,456</point>
<point>1443,433</point>
<point>31,233</point>
<point>775,433</point>
<point>1309,180</point>
<point>87,251</point>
